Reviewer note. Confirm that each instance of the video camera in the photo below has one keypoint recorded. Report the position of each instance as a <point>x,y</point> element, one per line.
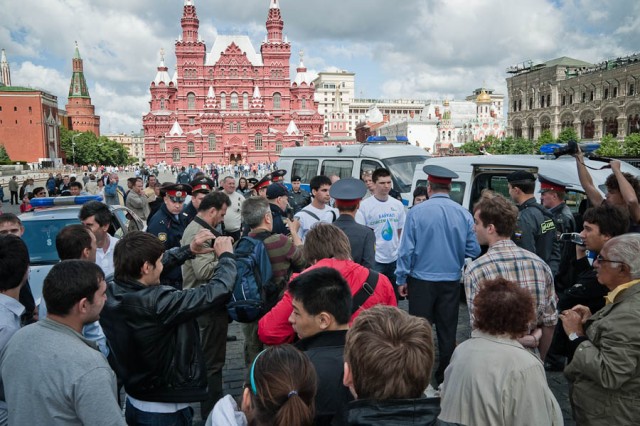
<point>570,149</point>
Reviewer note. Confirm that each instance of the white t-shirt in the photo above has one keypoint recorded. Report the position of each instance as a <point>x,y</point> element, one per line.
<point>386,218</point>
<point>233,218</point>
<point>327,214</point>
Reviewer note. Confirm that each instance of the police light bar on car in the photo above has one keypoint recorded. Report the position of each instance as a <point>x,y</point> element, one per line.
<point>398,138</point>
<point>586,148</point>
<point>63,201</point>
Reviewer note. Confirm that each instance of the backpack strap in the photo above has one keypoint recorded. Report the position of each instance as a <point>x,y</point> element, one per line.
<point>365,292</point>
<point>312,214</point>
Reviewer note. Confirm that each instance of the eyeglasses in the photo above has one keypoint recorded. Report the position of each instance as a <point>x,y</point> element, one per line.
<point>601,259</point>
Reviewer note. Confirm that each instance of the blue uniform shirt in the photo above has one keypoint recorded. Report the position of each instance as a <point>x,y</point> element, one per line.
<point>436,238</point>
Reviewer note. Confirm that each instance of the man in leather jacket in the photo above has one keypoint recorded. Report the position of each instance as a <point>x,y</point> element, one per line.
<point>152,329</point>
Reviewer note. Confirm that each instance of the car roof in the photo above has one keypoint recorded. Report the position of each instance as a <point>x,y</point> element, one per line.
<point>56,212</point>
<point>375,150</point>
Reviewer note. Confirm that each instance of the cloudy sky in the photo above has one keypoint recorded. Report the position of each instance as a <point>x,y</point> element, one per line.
<point>421,49</point>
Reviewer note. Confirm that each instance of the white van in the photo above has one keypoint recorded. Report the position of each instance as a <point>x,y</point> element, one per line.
<point>480,172</point>
<point>351,160</point>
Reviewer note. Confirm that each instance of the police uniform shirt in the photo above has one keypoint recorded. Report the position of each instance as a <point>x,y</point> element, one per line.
<point>536,232</point>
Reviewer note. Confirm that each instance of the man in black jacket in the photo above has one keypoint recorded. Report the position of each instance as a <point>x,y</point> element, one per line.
<point>321,301</point>
<point>152,329</point>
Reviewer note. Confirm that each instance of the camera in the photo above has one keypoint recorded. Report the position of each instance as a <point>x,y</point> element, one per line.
<point>570,149</point>
<point>572,237</point>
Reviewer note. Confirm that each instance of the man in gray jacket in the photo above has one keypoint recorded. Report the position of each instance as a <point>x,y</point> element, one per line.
<point>137,201</point>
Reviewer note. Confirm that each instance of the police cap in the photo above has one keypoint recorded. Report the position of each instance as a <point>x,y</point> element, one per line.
<point>203,184</point>
<point>296,178</point>
<point>550,184</point>
<point>177,192</point>
<point>278,175</point>
<point>348,191</point>
<point>262,183</point>
<point>276,190</point>
<point>439,174</point>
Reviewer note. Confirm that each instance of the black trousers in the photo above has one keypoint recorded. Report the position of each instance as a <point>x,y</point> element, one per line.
<point>438,302</point>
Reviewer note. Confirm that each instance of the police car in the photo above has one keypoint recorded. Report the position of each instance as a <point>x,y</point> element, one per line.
<point>41,226</point>
<point>479,172</point>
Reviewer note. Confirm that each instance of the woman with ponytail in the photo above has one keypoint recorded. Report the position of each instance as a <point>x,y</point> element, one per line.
<point>281,392</point>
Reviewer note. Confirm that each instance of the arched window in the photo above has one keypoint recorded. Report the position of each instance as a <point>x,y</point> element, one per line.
<point>245,101</point>
<point>234,100</point>
<point>304,103</point>
<point>191,100</point>
<point>161,103</point>
<point>232,127</point>
<point>278,146</point>
<point>191,148</point>
<point>238,128</point>
<point>277,100</point>
<point>176,154</point>
<point>163,145</point>
<point>258,141</point>
<point>223,101</point>
<point>212,142</point>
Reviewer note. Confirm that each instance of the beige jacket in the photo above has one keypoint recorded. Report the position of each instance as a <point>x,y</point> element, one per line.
<point>605,370</point>
<point>199,270</point>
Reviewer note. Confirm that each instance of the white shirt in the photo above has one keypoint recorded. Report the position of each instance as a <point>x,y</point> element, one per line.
<point>386,218</point>
<point>327,214</point>
<point>233,218</point>
<point>105,259</point>
<point>157,407</point>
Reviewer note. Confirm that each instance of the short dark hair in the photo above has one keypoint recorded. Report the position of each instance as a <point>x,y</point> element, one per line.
<point>318,181</point>
<point>420,191</point>
<point>14,261</point>
<point>378,173</point>
<point>97,209</point>
<point>131,253</point>
<point>10,218</point>
<point>38,189</point>
<point>503,307</point>
<point>68,282</point>
<point>323,290</point>
<point>132,180</point>
<point>215,200</point>
<point>612,183</point>
<point>72,240</point>
<point>75,184</point>
<point>525,186</point>
<point>496,210</point>
<point>611,220</point>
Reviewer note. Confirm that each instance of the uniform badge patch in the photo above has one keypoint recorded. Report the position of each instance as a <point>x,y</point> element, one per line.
<point>162,237</point>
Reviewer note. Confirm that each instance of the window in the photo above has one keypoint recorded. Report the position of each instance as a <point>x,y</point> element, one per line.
<point>278,147</point>
<point>258,142</point>
<point>342,168</point>
<point>570,99</point>
<point>630,93</point>
<point>161,103</point>
<point>606,94</point>
<point>615,94</point>
<point>238,128</point>
<point>245,101</point>
<point>212,142</point>
<point>163,145</point>
<point>564,100</point>
<point>192,121</point>
<point>234,100</point>
<point>305,140</point>
<point>277,101</point>
<point>231,127</point>
<point>591,96</point>
<point>304,103</point>
<point>530,103</point>
<point>306,169</point>
<point>584,96</point>
<point>191,100</point>
<point>542,101</point>
<point>191,148</point>
<point>223,101</point>
<point>176,154</point>
<point>515,105</point>
<point>29,110</point>
<point>548,100</point>
<point>519,104</point>
<point>15,108</point>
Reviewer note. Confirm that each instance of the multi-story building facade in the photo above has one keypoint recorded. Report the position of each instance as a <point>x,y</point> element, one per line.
<point>133,142</point>
<point>80,111</point>
<point>230,104</point>
<point>595,99</point>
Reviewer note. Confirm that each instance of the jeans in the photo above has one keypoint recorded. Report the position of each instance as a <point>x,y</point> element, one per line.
<point>389,271</point>
<point>135,417</point>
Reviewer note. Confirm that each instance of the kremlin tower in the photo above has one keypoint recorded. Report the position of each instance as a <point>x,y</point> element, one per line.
<point>80,111</point>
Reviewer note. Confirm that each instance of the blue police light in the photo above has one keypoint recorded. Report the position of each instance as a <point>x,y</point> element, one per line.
<point>549,148</point>
<point>402,139</point>
<point>376,139</point>
<point>63,201</point>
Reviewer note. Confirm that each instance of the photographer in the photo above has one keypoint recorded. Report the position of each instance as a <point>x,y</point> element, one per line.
<point>623,189</point>
<point>600,225</point>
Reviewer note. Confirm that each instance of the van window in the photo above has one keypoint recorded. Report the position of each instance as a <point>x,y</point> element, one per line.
<point>457,190</point>
<point>342,168</point>
<point>369,166</point>
<point>402,170</point>
<point>306,169</point>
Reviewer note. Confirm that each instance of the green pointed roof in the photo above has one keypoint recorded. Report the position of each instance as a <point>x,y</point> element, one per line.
<point>78,87</point>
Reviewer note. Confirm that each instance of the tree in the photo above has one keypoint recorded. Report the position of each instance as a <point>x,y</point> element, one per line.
<point>472,147</point>
<point>609,147</point>
<point>631,145</point>
<point>87,148</point>
<point>568,134</point>
<point>4,156</point>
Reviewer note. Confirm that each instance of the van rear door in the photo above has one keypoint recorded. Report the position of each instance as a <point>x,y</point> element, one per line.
<point>493,177</point>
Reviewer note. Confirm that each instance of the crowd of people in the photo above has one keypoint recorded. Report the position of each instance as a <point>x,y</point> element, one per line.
<point>141,323</point>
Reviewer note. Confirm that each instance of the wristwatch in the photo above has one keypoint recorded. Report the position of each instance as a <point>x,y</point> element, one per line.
<point>573,336</point>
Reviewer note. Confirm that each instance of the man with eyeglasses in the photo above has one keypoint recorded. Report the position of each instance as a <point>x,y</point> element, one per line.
<point>601,224</point>
<point>39,192</point>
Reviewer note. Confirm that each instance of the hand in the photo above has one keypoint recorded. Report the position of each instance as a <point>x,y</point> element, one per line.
<point>615,165</point>
<point>197,244</point>
<point>583,311</point>
<point>223,245</point>
<point>294,225</point>
<point>403,290</point>
<point>572,322</point>
<point>578,154</point>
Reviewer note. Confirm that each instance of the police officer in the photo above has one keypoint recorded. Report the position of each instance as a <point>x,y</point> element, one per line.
<point>260,188</point>
<point>552,195</point>
<point>535,229</point>
<point>168,224</point>
<point>199,189</point>
<point>277,195</point>
<point>251,183</point>
<point>348,193</point>
<point>298,197</point>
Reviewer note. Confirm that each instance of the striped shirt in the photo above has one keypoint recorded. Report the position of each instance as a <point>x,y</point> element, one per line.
<point>284,255</point>
<point>505,259</point>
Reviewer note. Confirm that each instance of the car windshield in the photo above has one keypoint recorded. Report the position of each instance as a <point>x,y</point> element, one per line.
<point>402,170</point>
<point>40,238</point>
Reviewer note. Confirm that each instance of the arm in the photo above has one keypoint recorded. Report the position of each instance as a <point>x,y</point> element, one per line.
<point>586,182</point>
<point>274,328</point>
<point>545,340</point>
<point>405,253</point>
<point>626,190</point>
<point>369,250</point>
<point>111,190</point>
<point>472,248</point>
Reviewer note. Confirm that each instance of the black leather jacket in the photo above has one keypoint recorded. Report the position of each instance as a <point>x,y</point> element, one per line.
<point>154,338</point>
<point>421,411</point>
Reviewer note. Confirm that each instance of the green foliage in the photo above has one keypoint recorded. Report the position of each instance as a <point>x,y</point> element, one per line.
<point>4,156</point>
<point>511,145</point>
<point>86,148</point>
<point>568,134</point>
<point>472,147</point>
<point>631,145</point>
<point>609,147</point>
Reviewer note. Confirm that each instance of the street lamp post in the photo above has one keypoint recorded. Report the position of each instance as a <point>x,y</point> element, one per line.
<point>73,147</point>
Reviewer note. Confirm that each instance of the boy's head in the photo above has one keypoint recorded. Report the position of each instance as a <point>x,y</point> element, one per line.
<point>321,302</point>
<point>388,355</point>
